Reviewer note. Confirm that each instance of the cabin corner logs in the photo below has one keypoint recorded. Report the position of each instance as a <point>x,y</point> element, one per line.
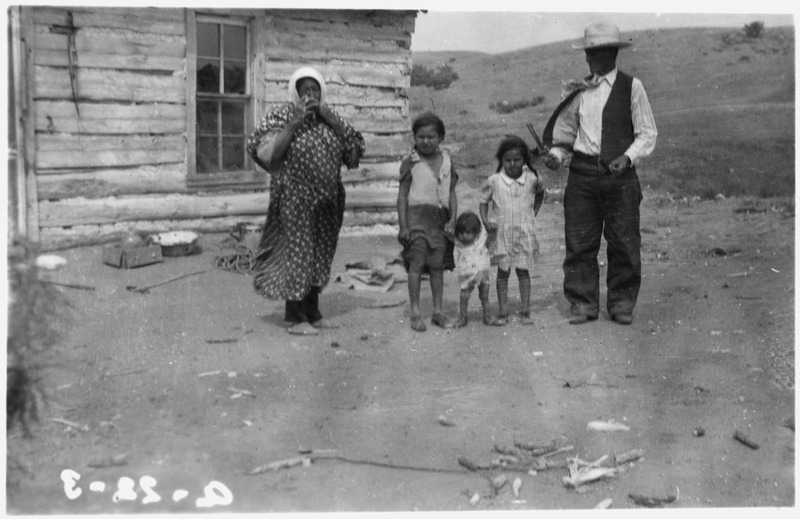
<point>106,107</point>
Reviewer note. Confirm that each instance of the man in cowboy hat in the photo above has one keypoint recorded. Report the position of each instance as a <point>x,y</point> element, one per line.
<point>603,126</point>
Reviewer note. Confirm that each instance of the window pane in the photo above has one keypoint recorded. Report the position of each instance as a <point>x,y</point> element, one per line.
<point>233,153</point>
<point>207,118</point>
<point>235,42</point>
<point>234,77</point>
<point>208,75</point>
<point>233,119</point>
<point>207,155</point>
<point>207,40</point>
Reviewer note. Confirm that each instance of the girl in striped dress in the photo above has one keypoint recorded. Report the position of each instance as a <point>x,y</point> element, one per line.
<point>509,201</point>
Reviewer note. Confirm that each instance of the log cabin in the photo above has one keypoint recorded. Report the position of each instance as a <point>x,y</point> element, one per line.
<point>135,119</point>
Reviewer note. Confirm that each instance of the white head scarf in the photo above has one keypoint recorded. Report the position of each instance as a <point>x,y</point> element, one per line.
<point>304,72</point>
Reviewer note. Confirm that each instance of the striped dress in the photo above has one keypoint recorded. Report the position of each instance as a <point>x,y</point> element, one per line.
<point>510,204</point>
<point>306,206</point>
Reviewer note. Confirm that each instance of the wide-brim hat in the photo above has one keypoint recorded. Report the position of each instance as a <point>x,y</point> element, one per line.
<point>601,35</point>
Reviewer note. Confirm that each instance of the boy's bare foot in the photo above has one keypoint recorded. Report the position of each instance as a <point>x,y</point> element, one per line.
<point>462,321</point>
<point>417,324</point>
<point>525,318</point>
<point>442,321</point>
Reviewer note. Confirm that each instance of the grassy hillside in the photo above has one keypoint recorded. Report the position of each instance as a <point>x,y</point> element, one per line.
<point>724,106</point>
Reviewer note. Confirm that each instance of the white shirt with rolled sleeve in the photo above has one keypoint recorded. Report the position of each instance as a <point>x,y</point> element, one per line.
<point>581,121</point>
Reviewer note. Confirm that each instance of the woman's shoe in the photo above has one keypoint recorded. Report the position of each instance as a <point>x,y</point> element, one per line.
<point>303,328</point>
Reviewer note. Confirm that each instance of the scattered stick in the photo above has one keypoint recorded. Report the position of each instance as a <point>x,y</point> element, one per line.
<point>221,341</point>
<point>66,422</point>
<point>651,502</point>
<point>210,373</point>
<point>744,440</point>
<point>536,450</point>
<point>315,455</point>
<point>628,456</point>
<point>146,289</point>
<point>82,428</point>
<point>124,372</point>
<point>109,461</point>
<point>238,391</point>
<point>67,285</point>
<point>281,464</point>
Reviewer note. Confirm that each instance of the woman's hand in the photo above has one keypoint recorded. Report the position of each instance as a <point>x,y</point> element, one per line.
<point>491,227</point>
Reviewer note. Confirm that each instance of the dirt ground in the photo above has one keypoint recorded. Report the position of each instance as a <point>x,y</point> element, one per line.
<point>711,347</point>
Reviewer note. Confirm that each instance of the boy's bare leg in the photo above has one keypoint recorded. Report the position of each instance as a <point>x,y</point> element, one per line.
<point>437,289</point>
<point>414,282</point>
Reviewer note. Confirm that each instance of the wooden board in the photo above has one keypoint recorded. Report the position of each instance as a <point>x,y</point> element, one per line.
<point>111,85</point>
<point>84,211</point>
<point>56,238</point>
<point>140,19</point>
<point>75,151</point>
<point>101,183</point>
<point>375,75</point>
<point>110,118</point>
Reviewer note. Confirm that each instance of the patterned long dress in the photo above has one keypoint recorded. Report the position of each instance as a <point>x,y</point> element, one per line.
<point>306,205</point>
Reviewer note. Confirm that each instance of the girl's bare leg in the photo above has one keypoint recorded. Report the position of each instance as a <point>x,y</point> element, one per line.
<point>502,293</point>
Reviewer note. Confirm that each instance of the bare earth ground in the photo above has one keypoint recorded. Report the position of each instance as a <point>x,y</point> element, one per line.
<point>712,346</point>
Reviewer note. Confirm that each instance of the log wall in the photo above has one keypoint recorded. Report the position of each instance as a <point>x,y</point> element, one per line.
<point>122,164</point>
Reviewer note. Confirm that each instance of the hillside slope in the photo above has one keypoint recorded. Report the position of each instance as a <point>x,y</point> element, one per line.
<point>724,105</point>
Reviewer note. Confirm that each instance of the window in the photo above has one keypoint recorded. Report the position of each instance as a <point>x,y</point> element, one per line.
<point>219,102</point>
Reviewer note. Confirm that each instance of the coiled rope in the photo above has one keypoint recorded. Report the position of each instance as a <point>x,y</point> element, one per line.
<point>241,259</point>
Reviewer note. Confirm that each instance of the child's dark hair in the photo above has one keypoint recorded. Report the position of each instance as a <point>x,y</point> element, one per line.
<point>468,222</point>
<point>512,142</point>
<point>426,119</point>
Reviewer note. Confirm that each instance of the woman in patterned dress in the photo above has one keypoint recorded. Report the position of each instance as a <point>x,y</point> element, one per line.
<point>303,145</point>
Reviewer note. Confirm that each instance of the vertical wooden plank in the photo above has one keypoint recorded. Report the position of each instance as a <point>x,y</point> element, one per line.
<point>191,92</point>
<point>28,120</point>
<point>18,224</point>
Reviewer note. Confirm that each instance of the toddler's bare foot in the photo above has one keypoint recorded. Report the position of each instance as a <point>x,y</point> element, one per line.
<point>525,318</point>
<point>462,321</point>
<point>495,321</point>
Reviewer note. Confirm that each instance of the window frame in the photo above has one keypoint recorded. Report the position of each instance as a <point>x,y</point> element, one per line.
<point>249,177</point>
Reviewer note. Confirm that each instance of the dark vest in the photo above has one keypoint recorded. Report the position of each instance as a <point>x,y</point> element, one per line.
<point>617,133</point>
<point>617,119</point>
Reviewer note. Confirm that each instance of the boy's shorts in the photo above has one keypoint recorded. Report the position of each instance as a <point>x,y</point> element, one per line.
<point>428,248</point>
<point>419,256</point>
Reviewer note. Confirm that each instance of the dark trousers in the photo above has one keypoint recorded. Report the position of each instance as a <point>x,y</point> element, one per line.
<point>598,204</point>
<point>305,310</point>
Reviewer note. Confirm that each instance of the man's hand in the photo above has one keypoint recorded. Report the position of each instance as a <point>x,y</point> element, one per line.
<point>551,161</point>
<point>619,165</point>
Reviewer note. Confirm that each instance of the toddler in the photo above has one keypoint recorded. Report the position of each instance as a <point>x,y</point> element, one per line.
<point>472,264</point>
<point>509,201</point>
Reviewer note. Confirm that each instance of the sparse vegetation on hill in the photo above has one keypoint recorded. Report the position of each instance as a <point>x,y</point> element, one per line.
<point>505,107</point>
<point>438,78</point>
<point>725,112</point>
